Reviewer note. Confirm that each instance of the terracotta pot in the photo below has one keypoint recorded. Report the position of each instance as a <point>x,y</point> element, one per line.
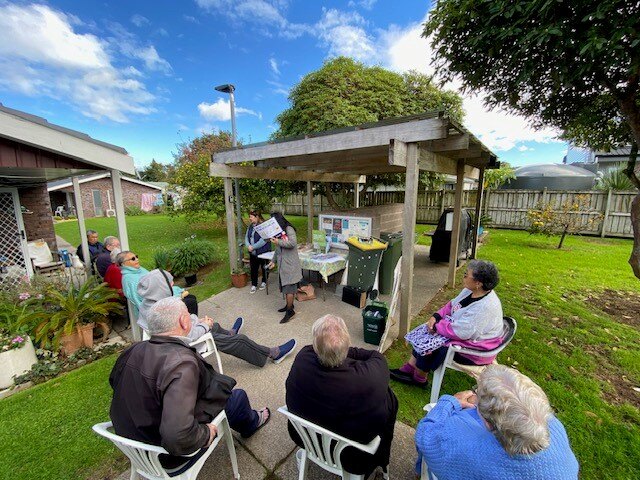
<point>86,331</point>
<point>71,343</point>
<point>239,280</point>
<point>16,362</point>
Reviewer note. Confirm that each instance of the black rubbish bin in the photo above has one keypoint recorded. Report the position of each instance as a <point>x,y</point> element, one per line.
<point>364,260</point>
<point>390,259</point>
<point>374,318</point>
<point>441,242</point>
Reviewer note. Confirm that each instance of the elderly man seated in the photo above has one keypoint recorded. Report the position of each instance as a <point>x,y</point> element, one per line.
<point>165,394</point>
<point>104,259</point>
<point>506,430</point>
<point>346,390</point>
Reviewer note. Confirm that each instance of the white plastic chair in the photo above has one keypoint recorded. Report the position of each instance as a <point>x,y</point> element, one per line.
<point>510,326</point>
<point>324,447</point>
<point>144,457</point>
<point>205,346</point>
<point>424,469</point>
<point>42,258</point>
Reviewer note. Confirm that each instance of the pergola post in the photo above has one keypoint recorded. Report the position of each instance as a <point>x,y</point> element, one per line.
<point>231,232</point>
<point>455,232</point>
<point>309,212</point>
<point>408,233</point>
<point>356,195</point>
<point>480,192</point>
<point>118,200</point>
<point>77,197</point>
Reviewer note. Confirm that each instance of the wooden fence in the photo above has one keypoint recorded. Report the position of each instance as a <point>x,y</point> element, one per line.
<point>506,208</point>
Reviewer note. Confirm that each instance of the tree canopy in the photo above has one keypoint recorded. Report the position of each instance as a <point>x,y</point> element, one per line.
<point>157,172</point>
<point>571,65</point>
<point>344,92</point>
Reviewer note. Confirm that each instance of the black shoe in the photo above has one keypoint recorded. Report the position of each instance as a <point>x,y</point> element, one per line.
<point>287,316</point>
<point>283,309</point>
<point>401,376</point>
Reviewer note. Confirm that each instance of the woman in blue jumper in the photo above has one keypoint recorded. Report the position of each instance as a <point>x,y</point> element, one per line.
<point>256,246</point>
<point>504,431</point>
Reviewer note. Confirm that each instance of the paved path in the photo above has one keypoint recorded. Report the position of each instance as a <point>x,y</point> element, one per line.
<point>270,453</point>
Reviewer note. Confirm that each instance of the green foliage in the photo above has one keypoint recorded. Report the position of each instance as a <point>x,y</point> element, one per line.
<point>162,258</point>
<point>615,179</point>
<point>190,256</point>
<point>567,218</point>
<point>134,211</point>
<point>71,308</point>
<point>344,93</point>
<point>157,172</point>
<point>570,65</point>
<point>495,178</point>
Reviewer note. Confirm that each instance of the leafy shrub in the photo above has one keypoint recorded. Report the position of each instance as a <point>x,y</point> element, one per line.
<point>191,255</point>
<point>134,211</point>
<point>162,259</point>
<point>615,180</point>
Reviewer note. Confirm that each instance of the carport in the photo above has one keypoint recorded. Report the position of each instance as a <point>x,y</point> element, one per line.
<point>429,142</point>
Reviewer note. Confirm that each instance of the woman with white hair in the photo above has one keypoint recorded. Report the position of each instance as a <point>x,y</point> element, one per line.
<point>505,430</point>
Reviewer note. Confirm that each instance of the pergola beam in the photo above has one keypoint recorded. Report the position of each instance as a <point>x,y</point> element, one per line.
<point>416,131</point>
<point>228,171</point>
<point>434,162</point>
<point>453,142</point>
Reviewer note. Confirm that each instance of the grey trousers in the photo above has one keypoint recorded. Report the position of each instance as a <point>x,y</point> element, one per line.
<point>240,346</point>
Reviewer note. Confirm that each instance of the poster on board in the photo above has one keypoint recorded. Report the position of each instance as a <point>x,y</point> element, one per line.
<point>338,228</point>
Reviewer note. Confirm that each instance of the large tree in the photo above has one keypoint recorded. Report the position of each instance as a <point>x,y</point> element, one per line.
<point>203,194</point>
<point>344,92</point>
<point>157,172</point>
<point>573,65</point>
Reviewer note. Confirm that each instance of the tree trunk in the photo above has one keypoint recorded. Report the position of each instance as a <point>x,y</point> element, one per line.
<point>634,259</point>
<point>564,234</point>
<point>329,194</point>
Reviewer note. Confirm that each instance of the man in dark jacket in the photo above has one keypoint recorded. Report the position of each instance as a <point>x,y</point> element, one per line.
<point>103,259</point>
<point>165,394</point>
<point>346,390</point>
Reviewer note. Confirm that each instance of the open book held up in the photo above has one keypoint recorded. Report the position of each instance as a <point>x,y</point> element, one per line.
<point>269,229</point>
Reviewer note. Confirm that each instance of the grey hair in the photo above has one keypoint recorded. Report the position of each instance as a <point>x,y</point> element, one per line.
<point>91,232</point>
<point>164,315</point>
<point>122,257</point>
<point>330,340</point>
<point>485,272</point>
<point>516,408</point>
<point>110,240</point>
<point>114,255</point>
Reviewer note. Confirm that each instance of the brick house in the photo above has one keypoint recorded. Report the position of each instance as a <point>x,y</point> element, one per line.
<point>97,194</point>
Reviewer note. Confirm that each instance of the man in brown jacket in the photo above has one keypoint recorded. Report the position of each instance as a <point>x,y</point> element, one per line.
<point>165,394</point>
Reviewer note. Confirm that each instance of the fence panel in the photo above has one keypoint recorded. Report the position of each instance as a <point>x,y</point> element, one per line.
<point>507,208</point>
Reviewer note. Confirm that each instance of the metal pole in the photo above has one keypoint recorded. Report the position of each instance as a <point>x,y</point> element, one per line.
<point>236,183</point>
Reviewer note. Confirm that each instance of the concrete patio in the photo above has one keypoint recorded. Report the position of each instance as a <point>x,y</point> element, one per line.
<point>270,453</point>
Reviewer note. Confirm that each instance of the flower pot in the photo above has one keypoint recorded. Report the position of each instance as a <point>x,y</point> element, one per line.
<point>239,280</point>
<point>86,331</point>
<point>16,362</point>
<point>81,337</point>
<point>191,280</point>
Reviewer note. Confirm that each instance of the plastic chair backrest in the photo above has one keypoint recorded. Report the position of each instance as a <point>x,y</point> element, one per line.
<point>206,346</point>
<point>324,447</point>
<point>39,252</point>
<point>144,457</point>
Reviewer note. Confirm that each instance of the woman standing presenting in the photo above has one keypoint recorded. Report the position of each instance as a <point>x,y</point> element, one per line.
<point>256,246</point>
<point>289,269</point>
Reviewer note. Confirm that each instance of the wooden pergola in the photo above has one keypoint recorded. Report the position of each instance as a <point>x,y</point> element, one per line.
<point>429,142</point>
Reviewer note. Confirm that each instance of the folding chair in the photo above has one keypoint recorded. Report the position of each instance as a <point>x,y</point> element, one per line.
<point>510,327</point>
<point>324,447</point>
<point>42,258</point>
<point>144,457</point>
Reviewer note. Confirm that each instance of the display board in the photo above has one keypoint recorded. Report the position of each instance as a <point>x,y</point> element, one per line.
<point>339,228</point>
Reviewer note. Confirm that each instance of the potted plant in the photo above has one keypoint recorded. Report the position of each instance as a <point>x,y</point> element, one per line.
<point>239,277</point>
<point>189,257</point>
<point>17,354</point>
<point>73,315</point>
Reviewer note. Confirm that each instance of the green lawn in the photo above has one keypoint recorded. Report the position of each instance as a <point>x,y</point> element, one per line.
<point>585,360</point>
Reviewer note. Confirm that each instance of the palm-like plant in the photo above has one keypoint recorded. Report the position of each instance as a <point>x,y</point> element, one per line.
<point>616,180</point>
<point>73,308</point>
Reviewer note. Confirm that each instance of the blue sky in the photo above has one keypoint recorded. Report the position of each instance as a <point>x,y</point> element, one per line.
<point>141,74</point>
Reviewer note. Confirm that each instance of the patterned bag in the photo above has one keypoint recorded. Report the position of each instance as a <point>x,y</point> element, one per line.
<point>423,341</point>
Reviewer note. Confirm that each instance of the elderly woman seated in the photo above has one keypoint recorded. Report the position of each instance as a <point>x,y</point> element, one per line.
<point>473,319</point>
<point>505,430</point>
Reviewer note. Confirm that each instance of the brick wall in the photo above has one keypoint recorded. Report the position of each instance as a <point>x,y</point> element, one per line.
<point>38,224</point>
<point>131,193</point>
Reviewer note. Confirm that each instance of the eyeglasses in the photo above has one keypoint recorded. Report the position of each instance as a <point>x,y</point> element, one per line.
<point>135,257</point>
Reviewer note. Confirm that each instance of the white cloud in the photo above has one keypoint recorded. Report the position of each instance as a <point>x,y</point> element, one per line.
<point>343,33</point>
<point>127,43</point>
<point>42,55</point>
<point>191,19</point>
<point>139,21</point>
<point>162,32</point>
<point>273,63</point>
<point>406,50</point>
<point>366,4</point>
<point>524,148</point>
<point>279,88</point>
<point>221,110</point>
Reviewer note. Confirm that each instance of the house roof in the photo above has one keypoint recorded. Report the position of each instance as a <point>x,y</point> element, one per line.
<point>66,182</point>
<point>33,151</point>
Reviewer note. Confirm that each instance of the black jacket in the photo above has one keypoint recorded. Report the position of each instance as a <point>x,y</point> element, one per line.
<point>164,393</point>
<point>353,400</point>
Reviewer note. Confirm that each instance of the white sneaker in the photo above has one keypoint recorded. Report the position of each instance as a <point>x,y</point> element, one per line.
<point>253,289</point>
<point>263,286</point>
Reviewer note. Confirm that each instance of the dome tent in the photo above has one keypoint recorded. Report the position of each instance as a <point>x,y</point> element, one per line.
<point>552,177</point>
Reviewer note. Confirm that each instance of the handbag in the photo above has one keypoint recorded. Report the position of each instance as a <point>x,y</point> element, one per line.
<point>306,292</point>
